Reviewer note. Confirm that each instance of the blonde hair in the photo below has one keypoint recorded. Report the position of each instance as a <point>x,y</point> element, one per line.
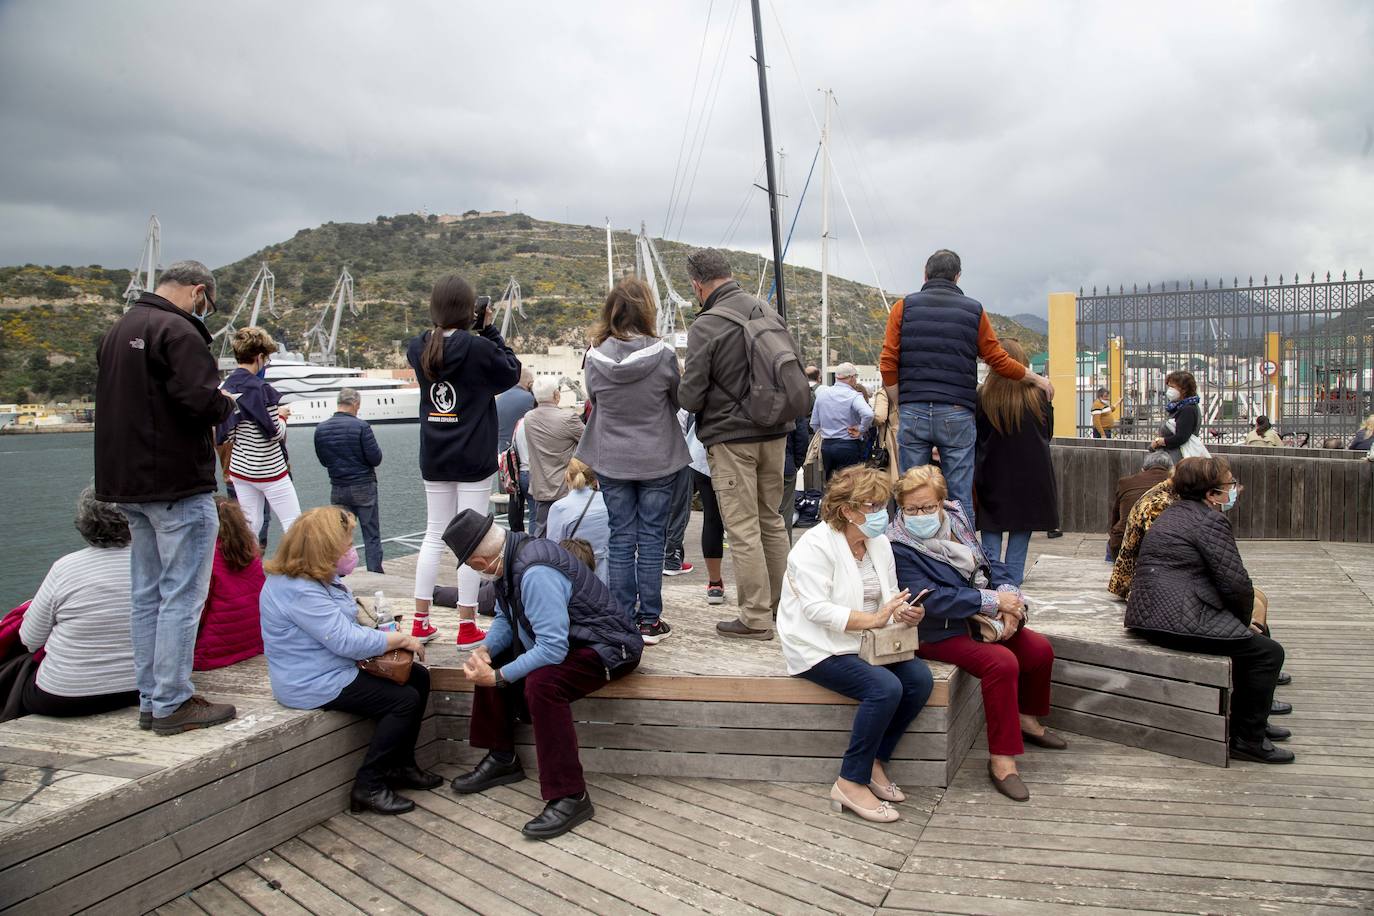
<point>1368,423</point>
<point>579,475</point>
<point>925,475</point>
<point>311,547</point>
<point>850,489</point>
<point>250,343</point>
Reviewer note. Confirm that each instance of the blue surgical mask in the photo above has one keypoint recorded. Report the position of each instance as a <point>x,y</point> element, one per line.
<point>1230,503</point>
<point>262,373</point>
<point>923,526</point>
<point>875,523</point>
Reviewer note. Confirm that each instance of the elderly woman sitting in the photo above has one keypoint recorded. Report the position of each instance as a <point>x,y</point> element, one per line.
<point>314,642</point>
<point>80,617</point>
<point>841,581</point>
<point>935,549</point>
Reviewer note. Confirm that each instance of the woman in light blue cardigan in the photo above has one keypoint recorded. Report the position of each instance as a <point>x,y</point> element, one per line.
<point>313,643</point>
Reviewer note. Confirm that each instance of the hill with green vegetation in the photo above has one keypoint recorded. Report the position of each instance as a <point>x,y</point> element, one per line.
<point>51,317</point>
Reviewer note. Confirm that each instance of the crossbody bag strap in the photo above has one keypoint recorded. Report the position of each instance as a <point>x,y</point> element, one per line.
<point>578,524</point>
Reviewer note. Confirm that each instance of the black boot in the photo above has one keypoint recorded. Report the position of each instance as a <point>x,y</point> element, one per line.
<point>1262,751</point>
<point>382,800</point>
<point>559,816</point>
<point>489,773</point>
<point>1284,679</point>
<point>412,777</point>
<point>1274,733</point>
<point>1280,708</point>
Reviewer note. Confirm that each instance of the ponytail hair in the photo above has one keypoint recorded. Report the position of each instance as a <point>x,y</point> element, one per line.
<point>450,307</point>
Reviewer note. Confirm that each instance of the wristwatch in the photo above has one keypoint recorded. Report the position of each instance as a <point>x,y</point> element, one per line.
<point>500,681</point>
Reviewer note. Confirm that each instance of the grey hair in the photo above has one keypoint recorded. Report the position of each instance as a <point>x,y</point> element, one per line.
<point>544,390</point>
<point>707,264</point>
<point>349,396</point>
<point>100,523</point>
<point>492,543</point>
<point>188,273</point>
<point>1158,459</point>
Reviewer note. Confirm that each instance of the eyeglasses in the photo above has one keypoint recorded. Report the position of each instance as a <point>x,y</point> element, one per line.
<point>913,511</point>
<point>866,508</point>
<point>1232,483</point>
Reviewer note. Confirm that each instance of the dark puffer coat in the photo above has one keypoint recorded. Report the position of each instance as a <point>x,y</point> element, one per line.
<point>1189,578</point>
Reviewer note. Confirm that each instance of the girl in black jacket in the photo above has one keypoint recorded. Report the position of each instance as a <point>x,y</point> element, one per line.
<point>460,375</point>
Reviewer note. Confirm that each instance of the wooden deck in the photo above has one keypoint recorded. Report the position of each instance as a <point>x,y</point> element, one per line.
<point>1110,828</point>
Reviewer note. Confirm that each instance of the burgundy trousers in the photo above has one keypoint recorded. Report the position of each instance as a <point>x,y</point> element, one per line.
<point>1015,677</point>
<point>544,698</point>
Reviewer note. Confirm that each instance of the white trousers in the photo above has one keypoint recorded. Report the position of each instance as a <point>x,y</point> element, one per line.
<point>444,500</point>
<point>279,494</point>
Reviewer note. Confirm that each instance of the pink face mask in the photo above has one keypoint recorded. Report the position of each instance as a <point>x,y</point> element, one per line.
<point>348,562</point>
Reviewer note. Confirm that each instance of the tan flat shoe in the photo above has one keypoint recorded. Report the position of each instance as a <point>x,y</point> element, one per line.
<point>883,814</point>
<point>890,792</point>
<point>1010,785</point>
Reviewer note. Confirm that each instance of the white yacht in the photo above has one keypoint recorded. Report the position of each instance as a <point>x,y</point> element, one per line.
<point>313,391</point>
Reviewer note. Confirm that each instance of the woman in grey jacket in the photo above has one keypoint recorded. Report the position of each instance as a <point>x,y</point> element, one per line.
<point>635,446</point>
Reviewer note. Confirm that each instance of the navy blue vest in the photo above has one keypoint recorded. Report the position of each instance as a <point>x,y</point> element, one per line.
<point>594,619</point>
<point>938,359</point>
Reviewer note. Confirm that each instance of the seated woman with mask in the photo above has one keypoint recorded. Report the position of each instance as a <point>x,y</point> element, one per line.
<point>313,644</point>
<point>935,548</point>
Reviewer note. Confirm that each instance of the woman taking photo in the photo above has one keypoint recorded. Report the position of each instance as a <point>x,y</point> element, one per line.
<point>841,581</point>
<point>1013,479</point>
<point>1191,592</point>
<point>460,376</point>
<point>1184,414</point>
<point>257,430</point>
<point>934,548</point>
<point>314,644</point>
<point>230,630</point>
<point>635,445</point>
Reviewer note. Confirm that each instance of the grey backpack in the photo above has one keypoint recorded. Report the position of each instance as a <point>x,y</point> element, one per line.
<point>778,392</point>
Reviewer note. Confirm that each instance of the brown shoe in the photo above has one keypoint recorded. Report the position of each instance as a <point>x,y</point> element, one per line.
<point>196,712</point>
<point>1011,786</point>
<point>737,630</point>
<point>1049,739</point>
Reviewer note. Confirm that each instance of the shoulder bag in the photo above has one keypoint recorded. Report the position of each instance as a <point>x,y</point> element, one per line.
<point>394,665</point>
<point>888,645</point>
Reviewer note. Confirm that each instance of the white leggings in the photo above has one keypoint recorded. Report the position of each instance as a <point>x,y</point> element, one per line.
<point>443,500</point>
<point>279,494</point>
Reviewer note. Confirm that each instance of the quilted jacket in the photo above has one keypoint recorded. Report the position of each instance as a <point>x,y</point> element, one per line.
<point>230,630</point>
<point>1189,578</point>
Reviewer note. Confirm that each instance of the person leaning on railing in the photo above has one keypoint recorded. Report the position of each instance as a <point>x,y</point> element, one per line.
<point>841,581</point>
<point>313,643</point>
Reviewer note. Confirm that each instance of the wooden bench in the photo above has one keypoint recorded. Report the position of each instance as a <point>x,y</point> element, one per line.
<point>96,812</point>
<point>1114,685</point>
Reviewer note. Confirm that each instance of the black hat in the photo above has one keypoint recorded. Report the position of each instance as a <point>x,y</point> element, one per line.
<point>466,531</point>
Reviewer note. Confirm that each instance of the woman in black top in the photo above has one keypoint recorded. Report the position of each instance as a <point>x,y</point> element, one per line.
<point>460,375</point>
<point>1183,409</point>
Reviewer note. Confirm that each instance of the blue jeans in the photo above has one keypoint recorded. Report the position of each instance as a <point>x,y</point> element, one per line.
<point>838,454</point>
<point>890,698</point>
<point>679,514</point>
<point>1018,543</point>
<point>951,429</point>
<point>172,551</point>
<point>638,513</point>
<point>361,500</point>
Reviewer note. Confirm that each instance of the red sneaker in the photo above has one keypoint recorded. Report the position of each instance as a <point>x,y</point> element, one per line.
<point>422,631</point>
<point>470,635</point>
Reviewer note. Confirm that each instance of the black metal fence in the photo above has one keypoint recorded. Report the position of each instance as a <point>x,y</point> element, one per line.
<point>1301,353</point>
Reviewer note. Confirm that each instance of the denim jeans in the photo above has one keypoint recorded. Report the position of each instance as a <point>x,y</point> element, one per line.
<point>679,514</point>
<point>172,551</point>
<point>890,697</point>
<point>361,500</point>
<point>638,511</point>
<point>1018,543</point>
<point>951,429</point>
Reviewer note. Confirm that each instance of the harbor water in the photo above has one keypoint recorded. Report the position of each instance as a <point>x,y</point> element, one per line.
<point>41,475</point>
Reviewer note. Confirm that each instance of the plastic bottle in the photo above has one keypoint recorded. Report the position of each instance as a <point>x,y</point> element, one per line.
<point>384,620</point>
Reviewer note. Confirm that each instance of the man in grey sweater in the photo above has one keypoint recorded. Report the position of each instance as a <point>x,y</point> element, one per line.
<point>747,461</point>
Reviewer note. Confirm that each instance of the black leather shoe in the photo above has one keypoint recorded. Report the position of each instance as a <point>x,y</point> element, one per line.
<point>1285,679</point>
<point>412,777</point>
<point>488,774</point>
<point>1274,733</point>
<point>382,800</point>
<point>1280,708</point>
<point>1262,751</point>
<point>560,816</point>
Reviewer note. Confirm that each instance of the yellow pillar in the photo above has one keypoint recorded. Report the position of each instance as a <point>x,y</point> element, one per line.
<point>1063,362</point>
<point>1116,366</point>
<point>1273,354</point>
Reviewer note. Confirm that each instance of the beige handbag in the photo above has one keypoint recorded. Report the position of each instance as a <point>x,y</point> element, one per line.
<point>888,645</point>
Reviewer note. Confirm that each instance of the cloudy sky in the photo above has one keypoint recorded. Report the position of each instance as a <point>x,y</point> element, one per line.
<point>1053,144</point>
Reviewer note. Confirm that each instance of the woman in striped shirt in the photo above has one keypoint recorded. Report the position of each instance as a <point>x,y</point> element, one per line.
<point>257,461</point>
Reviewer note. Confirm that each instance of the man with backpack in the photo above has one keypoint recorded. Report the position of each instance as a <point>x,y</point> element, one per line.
<point>743,379</point>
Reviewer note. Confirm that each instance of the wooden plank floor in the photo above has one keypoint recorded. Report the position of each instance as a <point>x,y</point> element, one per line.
<point>1109,828</point>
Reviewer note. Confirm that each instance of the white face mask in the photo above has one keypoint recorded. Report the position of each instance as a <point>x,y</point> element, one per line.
<point>1173,394</point>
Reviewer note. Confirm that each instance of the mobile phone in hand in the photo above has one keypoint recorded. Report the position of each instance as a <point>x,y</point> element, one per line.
<point>480,310</point>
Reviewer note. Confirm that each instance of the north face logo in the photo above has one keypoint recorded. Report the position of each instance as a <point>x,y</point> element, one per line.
<point>137,343</point>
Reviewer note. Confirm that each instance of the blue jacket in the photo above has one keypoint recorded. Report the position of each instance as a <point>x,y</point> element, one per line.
<point>312,639</point>
<point>939,348</point>
<point>348,450</point>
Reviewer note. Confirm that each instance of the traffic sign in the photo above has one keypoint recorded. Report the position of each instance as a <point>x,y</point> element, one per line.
<point>1269,368</point>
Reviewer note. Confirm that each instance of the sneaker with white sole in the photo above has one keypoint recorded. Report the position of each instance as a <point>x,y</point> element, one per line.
<point>422,631</point>
<point>654,633</point>
<point>470,635</point>
<point>679,569</point>
<point>715,593</point>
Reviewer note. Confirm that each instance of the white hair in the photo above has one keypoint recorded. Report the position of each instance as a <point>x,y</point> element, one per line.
<point>544,390</point>
<point>492,543</point>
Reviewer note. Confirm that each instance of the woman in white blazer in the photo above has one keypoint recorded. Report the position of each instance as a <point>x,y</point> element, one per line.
<point>841,580</point>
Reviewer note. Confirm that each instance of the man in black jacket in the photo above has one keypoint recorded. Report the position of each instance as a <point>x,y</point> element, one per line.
<point>349,451</point>
<point>158,400</point>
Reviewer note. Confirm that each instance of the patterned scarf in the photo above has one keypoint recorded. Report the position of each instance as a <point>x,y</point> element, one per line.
<point>954,544</point>
<point>1173,406</point>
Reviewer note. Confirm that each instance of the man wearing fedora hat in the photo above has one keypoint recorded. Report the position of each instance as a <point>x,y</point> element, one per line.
<point>558,635</point>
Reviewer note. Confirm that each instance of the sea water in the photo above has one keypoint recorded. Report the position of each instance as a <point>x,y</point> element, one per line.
<point>41,475</point>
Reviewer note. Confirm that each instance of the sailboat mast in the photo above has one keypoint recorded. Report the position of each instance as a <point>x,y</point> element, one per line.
<point>825,239</point>
<point>610,267</point>
<point>768,157</point>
